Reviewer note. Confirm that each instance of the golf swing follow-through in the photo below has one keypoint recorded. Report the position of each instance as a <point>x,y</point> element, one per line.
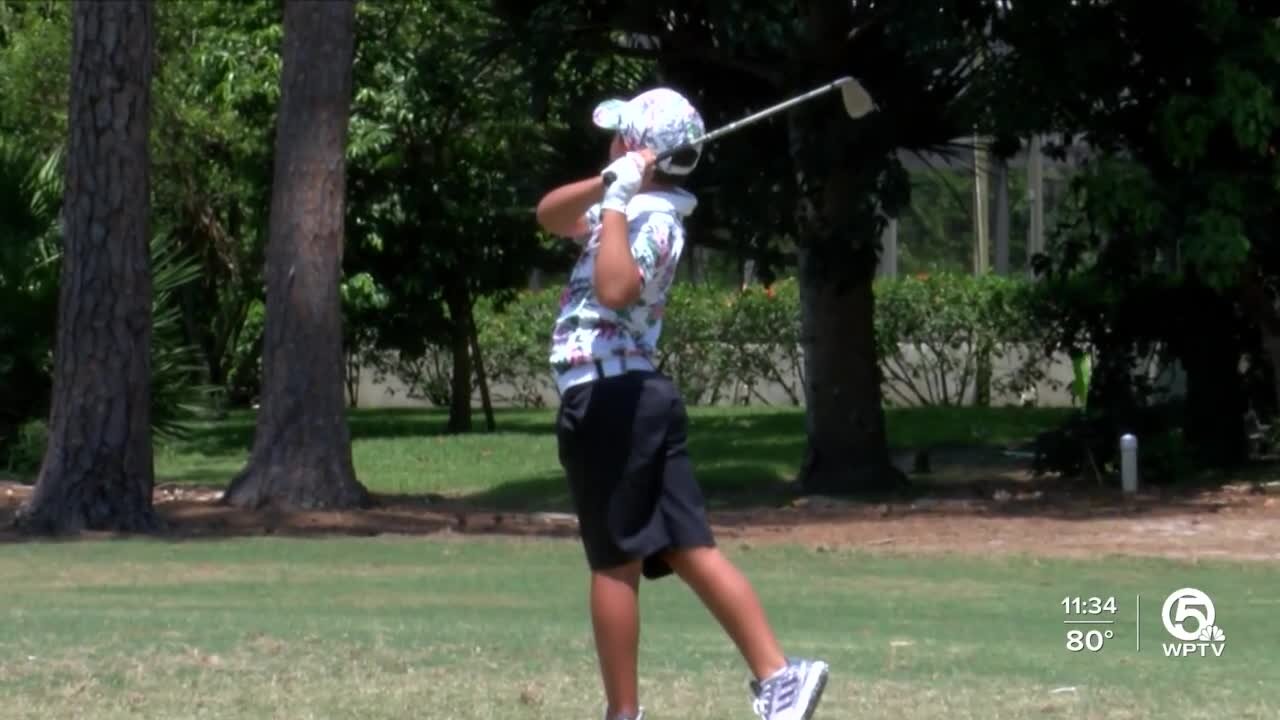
<point>854,97</point>
<point>622,426</point>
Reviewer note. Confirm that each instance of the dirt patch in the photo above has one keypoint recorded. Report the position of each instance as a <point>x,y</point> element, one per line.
<point>1009,516</point>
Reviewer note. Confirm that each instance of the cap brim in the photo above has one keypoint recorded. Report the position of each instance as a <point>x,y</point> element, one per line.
<point>608,114</point>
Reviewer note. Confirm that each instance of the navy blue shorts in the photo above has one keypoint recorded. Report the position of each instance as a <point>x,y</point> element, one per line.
<point>623,446</point>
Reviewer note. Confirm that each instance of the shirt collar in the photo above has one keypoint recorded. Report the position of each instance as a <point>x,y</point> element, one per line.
<point>675,201</point>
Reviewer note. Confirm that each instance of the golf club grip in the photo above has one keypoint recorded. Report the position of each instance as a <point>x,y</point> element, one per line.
<point>609,177</point>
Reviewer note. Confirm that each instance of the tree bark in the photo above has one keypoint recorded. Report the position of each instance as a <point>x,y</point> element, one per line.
<point>838,227</point>
<point>458,301</point>
<point>482,378</point>
<point>848,450</point>
<point>1216,401</point>
<point>301,457</point>
<point>1258,305</point>
<point>97,472</point>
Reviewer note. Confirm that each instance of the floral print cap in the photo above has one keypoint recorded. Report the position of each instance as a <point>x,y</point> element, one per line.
<point>659,119</point>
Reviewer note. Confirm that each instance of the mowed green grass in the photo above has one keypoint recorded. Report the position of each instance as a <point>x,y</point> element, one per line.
<point>736,451</point>
<point>488,628</point>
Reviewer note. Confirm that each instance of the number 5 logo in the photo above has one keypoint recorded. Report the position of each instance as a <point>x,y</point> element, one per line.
<point>1186,604</point>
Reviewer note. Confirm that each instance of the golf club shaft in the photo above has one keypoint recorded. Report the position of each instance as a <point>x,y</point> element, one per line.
<point>739,124</point>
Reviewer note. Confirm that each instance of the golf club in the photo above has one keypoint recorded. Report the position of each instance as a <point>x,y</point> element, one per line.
<point>857,102</point>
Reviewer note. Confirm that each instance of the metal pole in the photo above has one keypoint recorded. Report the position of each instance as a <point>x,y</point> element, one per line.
<point>1129,463</point>
<point>981,241</point>
<point>1035,191</point>
<point>889,249</point>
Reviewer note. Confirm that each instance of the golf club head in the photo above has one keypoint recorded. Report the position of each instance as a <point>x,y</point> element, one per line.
<point>857,101</point>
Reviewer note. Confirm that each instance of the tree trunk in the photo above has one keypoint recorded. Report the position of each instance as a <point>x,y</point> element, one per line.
<point>692,262</point>
<point>301,456</point>
<point>847,450</point>
<point>839,221</point>
<point>1271,343</point>
<point>1258,306</point>
<point>458,301</point>
<point>482,378</point>
<point>351,367</point>
<point>981,209</point>
<point>1216,400</point>
<point>997,184</point>
<point>1035,193</point>
<point>98,470</point>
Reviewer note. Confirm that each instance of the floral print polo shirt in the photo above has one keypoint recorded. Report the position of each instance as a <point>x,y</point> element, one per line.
<point>586,330</point>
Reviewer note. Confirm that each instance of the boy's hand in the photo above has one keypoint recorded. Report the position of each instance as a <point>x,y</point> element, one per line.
<point>649,161</point>
<point>630,172</point>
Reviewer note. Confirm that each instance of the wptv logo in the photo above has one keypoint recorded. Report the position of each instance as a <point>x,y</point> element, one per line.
<point>1189,615</point>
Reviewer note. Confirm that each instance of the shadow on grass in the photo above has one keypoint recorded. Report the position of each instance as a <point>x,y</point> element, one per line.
<point>234,434</point>
<point>745,459</point>
<point>203,477</point>
<point>714,431</point>
<point>727,486</point>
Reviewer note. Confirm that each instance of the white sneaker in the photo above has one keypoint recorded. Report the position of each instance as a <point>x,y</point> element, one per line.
<point>639,716</point>
<point>792,693</point>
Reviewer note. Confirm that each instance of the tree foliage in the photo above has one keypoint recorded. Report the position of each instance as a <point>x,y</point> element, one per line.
<point>447,160</point>
<point>1172,223</point>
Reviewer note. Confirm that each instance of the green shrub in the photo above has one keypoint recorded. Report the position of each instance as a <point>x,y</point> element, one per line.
<point>179,394</point>
<point>516,340</point>
<point>695,345</point>
<point>28,290</point>
<point>26,450</point>
<point>935,333</point>
<point>244,374</point>
<point>728,345</point>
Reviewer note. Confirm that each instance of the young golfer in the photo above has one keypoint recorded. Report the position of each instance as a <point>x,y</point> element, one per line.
<point>622,425</point>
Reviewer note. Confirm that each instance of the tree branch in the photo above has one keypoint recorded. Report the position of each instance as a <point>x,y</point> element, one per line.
<point>702,55</point>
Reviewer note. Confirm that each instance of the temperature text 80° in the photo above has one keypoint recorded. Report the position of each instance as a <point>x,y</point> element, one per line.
<point>1091,640</point>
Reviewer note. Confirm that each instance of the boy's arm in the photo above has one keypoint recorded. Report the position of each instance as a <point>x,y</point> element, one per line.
<point>563,210</point>
<point>616,276</point>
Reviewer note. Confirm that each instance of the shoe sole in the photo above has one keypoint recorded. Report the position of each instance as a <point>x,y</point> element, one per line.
<point>814,699</point>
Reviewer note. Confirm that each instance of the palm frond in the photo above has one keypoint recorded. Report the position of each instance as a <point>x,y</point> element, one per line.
<point>178,398</point>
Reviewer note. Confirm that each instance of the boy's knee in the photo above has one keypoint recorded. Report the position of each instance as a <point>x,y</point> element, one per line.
<point>683,560</point>
<point>628,572</point>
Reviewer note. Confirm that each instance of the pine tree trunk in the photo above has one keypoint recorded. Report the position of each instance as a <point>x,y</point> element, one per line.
<point>97,472</point>
<point>301,457</point>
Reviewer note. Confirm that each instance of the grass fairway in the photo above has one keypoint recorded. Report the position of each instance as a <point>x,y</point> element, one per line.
<point>464,630</point>
<point>736,450</point>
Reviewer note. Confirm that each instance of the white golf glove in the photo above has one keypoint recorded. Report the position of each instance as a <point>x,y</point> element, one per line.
<point>626,170</point>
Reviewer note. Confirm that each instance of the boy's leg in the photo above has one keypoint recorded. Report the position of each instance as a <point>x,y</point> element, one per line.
<point>729,596</point>
<point>615,618</point>
<point>610,436</point>
<point>784,688</point>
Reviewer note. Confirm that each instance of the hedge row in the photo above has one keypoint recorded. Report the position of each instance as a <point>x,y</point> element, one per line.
<point>941,339</point>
